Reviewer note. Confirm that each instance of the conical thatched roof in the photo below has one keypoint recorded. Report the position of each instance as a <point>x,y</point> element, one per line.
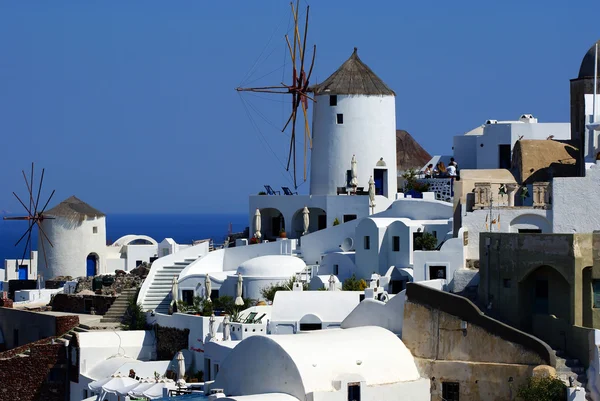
<point>409,154</point>
<point>353,78</point>
<point>74,208</point>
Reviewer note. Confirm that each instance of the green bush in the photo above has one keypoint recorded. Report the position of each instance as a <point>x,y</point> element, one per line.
<point>354,284</point>
<point>411,183</point>
<point>543,389</point>
<point>336,222</point>
<point>134,317</point>
<point>426,242</point>
<point>269,292</point>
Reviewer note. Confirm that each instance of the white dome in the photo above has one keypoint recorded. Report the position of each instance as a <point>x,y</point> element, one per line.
<point>272,266</point>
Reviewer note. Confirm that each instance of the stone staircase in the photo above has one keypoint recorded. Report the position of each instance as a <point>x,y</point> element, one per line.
<point>119,307</point>
<point>65,338</point>
<point>567,367</point>
<point>158,296</point>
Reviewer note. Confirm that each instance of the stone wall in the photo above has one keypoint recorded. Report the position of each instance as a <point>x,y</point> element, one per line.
<point>81,303</point>
<point>453,341</point>
<point>23,327</point>
<point>42,375</point>
<point>66,323</point>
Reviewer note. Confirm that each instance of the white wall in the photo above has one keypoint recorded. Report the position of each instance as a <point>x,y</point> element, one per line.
<point>198,327</point>
<point>368,131</point>
<point>291,207</point>
<point>73,241</point>
<point>485,146</point>
<point>572,200</point>
<point>141,253</point>
<point>11,268</point>
<point>345,262</point>
<point>452,255</point>
<point>475,223</point>
<point>42,295</point>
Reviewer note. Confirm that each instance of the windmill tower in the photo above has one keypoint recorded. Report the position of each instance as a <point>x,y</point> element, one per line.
<point>354,114</point>
<point>78,232</point>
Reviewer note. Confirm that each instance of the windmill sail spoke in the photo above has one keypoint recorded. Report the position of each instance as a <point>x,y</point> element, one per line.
<point>27,244</point>
<point>37,201</point>
<point>44,234</point>
<point>26,232</point>
<point>17,218</point>
<point>48,201</point>
<point>44,248</point>
<point>21,202</point>
<point>298,88</point>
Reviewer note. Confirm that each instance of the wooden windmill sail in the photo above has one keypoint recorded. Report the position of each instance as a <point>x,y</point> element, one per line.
<point>298,89</point>
<point>35,215</point>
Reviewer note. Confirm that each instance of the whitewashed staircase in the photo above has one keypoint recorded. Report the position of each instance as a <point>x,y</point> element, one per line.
<point>158,297</point>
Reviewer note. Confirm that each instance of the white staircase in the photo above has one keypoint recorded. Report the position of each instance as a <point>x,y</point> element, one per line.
<point>159,296</point>
<point>155,293</point>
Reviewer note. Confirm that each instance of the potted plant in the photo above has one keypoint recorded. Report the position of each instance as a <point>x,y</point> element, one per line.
<point>282,233</point>
<point>336,222</point>
<point>253,240</point>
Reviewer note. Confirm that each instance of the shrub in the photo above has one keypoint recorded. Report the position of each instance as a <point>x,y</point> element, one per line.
<point>354,284</point>
<point>336,222</point>
<point>134,318</point>
<point>426,242</point>
<point>269,291</point>
<point>411,183</point>
<point>543,389</point>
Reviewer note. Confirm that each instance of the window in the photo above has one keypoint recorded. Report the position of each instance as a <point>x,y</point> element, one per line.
<point>437,272</point>
<point>333,100</point>
<point>367,242</point>
<point>450,391</point>
<point>321,221</point>
<point>214,294</point>
<point>209,365</point>
<point>216,369</point>
<point>138,263</point>
<point>349,217</point>
<point>530,231</point>
<point>187,296</point>
<point>396,243</point>
<point>596,291</point>
<point>336,270</point>
<point>353,391</point>
<point>506,283</point>
<point>95,230</point>
<point>85,394</point>
<point>434,233</point>
<point>310,326</point>
<point>339,119</point>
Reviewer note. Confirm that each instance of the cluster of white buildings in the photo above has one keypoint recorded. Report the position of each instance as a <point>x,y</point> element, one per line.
<point>328,344</point>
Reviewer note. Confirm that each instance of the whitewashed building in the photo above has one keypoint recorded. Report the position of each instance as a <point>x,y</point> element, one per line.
<point>490,145</point>
<point>370,363</point>
<point>354,115</point>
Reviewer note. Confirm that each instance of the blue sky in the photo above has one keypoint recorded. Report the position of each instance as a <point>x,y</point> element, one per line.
<point>131,105</point>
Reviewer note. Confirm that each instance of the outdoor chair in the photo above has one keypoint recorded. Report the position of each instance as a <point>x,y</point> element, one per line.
<point>250,317</point>
<point>271,191</point>
<point>288,191</point>
<point>259,319</point>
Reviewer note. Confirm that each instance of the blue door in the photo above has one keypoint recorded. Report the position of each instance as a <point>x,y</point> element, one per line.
<point>22,272</point>
<point>378,177</point>
<point>91,266</point>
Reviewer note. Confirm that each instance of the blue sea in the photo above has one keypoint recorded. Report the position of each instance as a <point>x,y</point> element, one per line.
<point>183,228</point>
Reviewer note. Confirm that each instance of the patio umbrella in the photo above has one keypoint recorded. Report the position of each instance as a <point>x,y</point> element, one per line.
<point>138,391</point>
<point>207,285</point>
<point>156,391</point>
<point>305,220</point>
<point>372,194</point>
<point>332,283</point>
<point>211,326</point>
<point>257,233</point>
<point>96,386</point>
<point>238,298</point>
<point>354,172</point>
<point>226,328</point>
<point>120,384</point>
<point>180,366</point>
<point>174,290</point>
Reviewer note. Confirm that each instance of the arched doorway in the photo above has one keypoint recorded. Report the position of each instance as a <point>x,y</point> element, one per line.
<point>587,302</point>
<point>272,222</point>
<point>317,220</point>
<point>544,291</point>
<point>91,265</point>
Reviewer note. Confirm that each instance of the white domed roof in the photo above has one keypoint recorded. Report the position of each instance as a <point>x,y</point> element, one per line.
<point>283,266</point>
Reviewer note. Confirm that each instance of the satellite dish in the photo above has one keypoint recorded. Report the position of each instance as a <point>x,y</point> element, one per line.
<point>347,244</point>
